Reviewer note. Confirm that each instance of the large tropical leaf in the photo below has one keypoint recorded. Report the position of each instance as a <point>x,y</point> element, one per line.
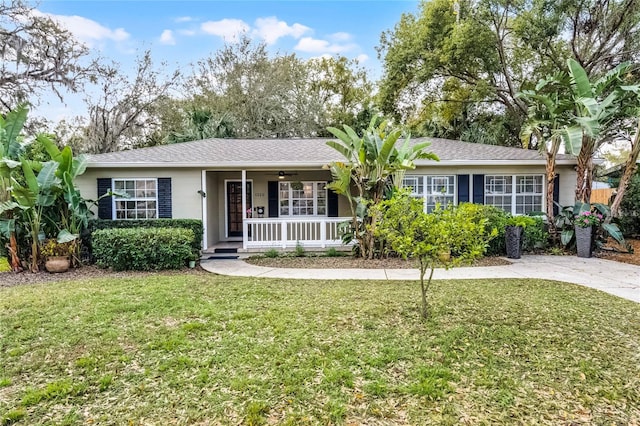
<point>47,178</point>
<point>572,137</point>
<point>79,165</point>
<point>24,196</point>
<point>580,79</point>
<point>566,236</point>
<point>7,206</point>
<point>30,177</point>
<point>64,236</point>
<point>13,124</point>
<point>7,226</point>
<point>613,230</point>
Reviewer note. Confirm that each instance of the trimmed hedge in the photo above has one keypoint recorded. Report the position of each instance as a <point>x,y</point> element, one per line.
<point>193,224</point>
<point>142,249</point>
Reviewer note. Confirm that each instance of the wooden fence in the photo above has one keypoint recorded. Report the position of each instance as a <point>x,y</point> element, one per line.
<point>602,195</point>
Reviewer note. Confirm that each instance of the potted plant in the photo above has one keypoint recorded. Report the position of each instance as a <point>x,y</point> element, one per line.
<point>585,222</point>
<point>192,260</point>
<point>513,236</point>
<point>57,255</point>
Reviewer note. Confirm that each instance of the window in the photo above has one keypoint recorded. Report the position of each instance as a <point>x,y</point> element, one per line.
<point>432,189</point>
<point>439,190</point>
<point>303,198</point>
<point>520,194</point>
<point>142,201</point>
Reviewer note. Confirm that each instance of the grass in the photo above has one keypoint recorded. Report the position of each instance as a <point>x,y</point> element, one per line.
<point>206,349</point>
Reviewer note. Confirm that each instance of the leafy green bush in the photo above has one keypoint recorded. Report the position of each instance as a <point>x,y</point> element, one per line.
<point>192,224</point>
<point>496,219</point>
<point>536,234</point>
<point>142,249</point>
<point>630,208</point>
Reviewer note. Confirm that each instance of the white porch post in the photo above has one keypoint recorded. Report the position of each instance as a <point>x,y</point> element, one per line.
<point>245,227</point>
<point>205,243</point>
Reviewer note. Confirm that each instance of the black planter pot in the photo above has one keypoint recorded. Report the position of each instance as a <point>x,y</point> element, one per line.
<point>513,241</point>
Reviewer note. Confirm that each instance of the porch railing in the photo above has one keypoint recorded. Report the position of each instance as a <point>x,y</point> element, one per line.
<point>288,232</point>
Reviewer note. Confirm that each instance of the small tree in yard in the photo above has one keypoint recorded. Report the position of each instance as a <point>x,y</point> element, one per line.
<point>446,237</point>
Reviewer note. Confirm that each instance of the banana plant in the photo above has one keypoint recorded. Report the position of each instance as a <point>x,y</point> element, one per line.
<point>374,164</point>
<point>11,148</point>
<point>33,198</point>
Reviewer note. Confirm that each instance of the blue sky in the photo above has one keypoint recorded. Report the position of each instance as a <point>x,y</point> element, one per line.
<point>181,32</point>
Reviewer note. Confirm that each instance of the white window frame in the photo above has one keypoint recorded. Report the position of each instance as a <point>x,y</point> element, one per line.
<point>489,190</point>
<point>424,188</point>
<point>290,199</point>
<point>115,199</point>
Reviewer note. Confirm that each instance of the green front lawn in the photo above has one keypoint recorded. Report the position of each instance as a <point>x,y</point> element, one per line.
<point>204,349</point>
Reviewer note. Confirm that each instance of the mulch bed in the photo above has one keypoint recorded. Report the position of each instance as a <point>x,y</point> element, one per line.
<point>349,262</point>
<point>619,256</point>
<point>10,279</point>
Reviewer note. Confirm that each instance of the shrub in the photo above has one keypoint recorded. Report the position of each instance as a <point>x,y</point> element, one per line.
<point>300,251</point>
<point>630,208</point>
<point>333,252</point>
<point>142,249</point>
<point>496,219</point>
<point>536,234</point>
<point>271,253</point>
<point>192,224</point>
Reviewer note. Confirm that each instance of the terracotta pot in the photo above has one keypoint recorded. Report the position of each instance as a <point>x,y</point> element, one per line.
<point>56,264</point>
<point>444,256</point>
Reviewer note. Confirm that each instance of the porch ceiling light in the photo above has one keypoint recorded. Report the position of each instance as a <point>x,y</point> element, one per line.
<point>281,174</point>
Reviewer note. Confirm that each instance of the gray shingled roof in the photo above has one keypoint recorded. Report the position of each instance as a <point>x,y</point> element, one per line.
<point>294,152</point>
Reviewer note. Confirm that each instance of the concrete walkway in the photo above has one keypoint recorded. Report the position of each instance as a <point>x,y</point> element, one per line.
<point>619,279</point>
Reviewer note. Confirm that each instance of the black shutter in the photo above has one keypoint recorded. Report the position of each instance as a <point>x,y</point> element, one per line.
<point>556,194</point>
<point>105,205</point>
<point>332,203</point>
<point>478,189</point>
<point>463,189</point>
<point>164,198</point>
<point>273,198</point>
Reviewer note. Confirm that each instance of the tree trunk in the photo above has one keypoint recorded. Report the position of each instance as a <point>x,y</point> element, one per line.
<point>629,169</point>
<point>551,183</point>
<point>585,170</point>
<point>424,311</point>
<point>16,266</point>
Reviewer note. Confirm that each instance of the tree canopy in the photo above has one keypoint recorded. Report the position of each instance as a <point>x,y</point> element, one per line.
<point>458,74</point>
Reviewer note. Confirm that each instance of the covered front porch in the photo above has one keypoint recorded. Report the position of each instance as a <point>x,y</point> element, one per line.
<point>271,209</point>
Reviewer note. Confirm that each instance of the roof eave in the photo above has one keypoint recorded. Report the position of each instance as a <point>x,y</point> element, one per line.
<point>312,165</point>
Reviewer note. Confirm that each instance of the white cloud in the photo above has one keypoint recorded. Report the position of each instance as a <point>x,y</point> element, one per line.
<point>314,45</point>
<point>87,30</point>
<point>340,37</point>
<point>167,38</point>
<point>362,58</point>
<point>180,19</point>
<point>270,29</point>
<point>227,29</point>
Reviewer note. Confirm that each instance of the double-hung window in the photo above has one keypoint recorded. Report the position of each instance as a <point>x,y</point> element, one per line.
<point>303,198</point>
<point>517,194</point>
<point>432,189</point>
<point>142,200</point>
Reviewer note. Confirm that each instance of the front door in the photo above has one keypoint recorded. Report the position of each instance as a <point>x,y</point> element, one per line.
<point>234,207</point>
